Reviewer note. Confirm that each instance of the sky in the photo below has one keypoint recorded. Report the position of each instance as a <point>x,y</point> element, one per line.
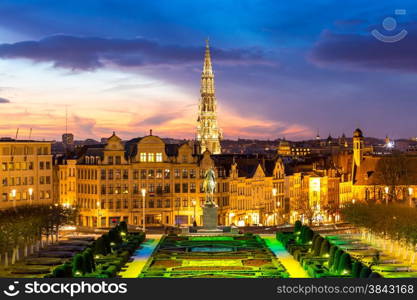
<point>282,68</point>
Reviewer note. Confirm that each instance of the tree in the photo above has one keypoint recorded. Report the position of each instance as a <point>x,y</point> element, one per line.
<point>78,265</point>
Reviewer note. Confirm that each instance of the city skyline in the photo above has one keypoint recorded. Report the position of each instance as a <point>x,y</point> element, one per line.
<point>286,72</point>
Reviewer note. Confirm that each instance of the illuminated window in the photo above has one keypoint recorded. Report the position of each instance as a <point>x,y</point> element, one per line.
<point>143,157</point>
<point>151,157</point>
<point>159,157</point>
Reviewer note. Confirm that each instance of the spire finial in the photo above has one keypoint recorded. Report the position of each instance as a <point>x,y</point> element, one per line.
<point>207,42</point>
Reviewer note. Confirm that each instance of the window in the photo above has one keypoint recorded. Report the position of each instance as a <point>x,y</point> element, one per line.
<point>125,174</point>
<point>159,203</point>
<point>42,180</point>
<point>143,157</point>
<point>48,165</point>
<point>177,202</point>
<point>167,174</point>
<point>110,174</point>
<point>4,166</point>
<point>177,188</point>
<point>151,157</point>
<point>192,187</point>
<point>118,160</point>
<point>135,174</point>
<point>103,174</point>
<point>4,181</point>
<point>135,188</point>
<point>185,187</point>
<point>192,173</point>
<point>167,203</point>
<point>184,173</point>
<point>176,173</point>
<point>103,189</point>
<point>110,160</point>
<point>117,174</point>
<point>167,188</point>
<point>185,202</point>
<point>159,157</point>
<point>40,165</point>
<point>151,203</point>
<point>151,173</point>
<point>143,174</point>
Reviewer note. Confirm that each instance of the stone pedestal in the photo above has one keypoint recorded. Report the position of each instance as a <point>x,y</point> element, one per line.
<point>210,217</point>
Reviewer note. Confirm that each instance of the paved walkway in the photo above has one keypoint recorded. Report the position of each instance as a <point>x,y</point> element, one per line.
<point>292,266</point>
<point>141,256</point>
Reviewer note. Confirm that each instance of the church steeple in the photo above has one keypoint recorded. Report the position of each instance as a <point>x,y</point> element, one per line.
<point>208,134</point>
<point>207,76</point>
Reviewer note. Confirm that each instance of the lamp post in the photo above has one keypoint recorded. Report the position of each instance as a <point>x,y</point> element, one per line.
<point>143,191</point>
<point>30,195</point>
<point>98,213</point>
<point>386,194</point>
<point>410,196</point>
<point>13,194</point>
<point>194,204</point>
<point>274,194</point>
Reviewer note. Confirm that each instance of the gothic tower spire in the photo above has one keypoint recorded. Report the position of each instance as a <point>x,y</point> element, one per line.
<point>208,134</point>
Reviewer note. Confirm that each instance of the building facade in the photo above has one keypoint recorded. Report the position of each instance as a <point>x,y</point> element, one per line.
<point>26,173</point>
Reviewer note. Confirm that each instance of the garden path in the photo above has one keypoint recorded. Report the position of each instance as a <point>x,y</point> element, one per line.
<point>141,256</point>
<point>292,266</point>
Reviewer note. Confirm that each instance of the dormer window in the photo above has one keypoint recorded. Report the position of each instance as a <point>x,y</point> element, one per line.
<point>151,157</point>
<point>159,157</point>
<point>143,157</point>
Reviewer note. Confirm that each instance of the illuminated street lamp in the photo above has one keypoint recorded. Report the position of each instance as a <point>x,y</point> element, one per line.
<point>13,194</point>
<point>30,195</point>
<point>194,203</point>
<point>277,203</point>
<point>143,191</point>
<point>98,213</point>
<point>410,194</point>
<point>386,194</point>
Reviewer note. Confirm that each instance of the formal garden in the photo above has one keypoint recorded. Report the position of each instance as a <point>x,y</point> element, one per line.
<point>240,256</point>
<point>30,245</point>
<point>343,254</point>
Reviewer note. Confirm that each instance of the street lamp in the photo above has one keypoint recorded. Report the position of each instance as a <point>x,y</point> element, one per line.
<point>30,195</point>
<point>194,203</point>
<point>410,193</point>
<point>386,194</point>
<point>277,204</point>
<point>13,194</point>
<point>143,191</point>
<point>98,213</point>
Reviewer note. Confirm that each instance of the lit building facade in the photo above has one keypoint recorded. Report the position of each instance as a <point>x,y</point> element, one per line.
<point>26,173</point>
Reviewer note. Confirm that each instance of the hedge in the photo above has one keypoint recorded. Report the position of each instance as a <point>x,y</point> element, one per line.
<point>356,269</point>
<point>345,264</point>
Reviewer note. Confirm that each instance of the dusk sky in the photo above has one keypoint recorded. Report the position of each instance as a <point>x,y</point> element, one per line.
<point>282,68</point>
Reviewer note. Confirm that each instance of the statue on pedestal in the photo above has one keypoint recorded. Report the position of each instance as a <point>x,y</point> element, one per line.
<point>210,207</point>
<point>209,186</point>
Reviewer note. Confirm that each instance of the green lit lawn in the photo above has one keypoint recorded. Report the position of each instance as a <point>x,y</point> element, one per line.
<point>213,257</point>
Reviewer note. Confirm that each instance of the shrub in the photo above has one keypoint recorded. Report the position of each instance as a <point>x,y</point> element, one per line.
<point>356,269</point>
<point>100,246</point>
<point>336,259</point>
<point>107,241</point>
<point>345,264</point>
<point>317,245</point>
<point>332,253</point>
<point>365,272</point>
<point>324,247</point>
<point>306,235</point>
<point>123,227</point>
<point>115,236</point>
<point>78,265</point>
<point>297,226</point>
<point>88,261</point>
